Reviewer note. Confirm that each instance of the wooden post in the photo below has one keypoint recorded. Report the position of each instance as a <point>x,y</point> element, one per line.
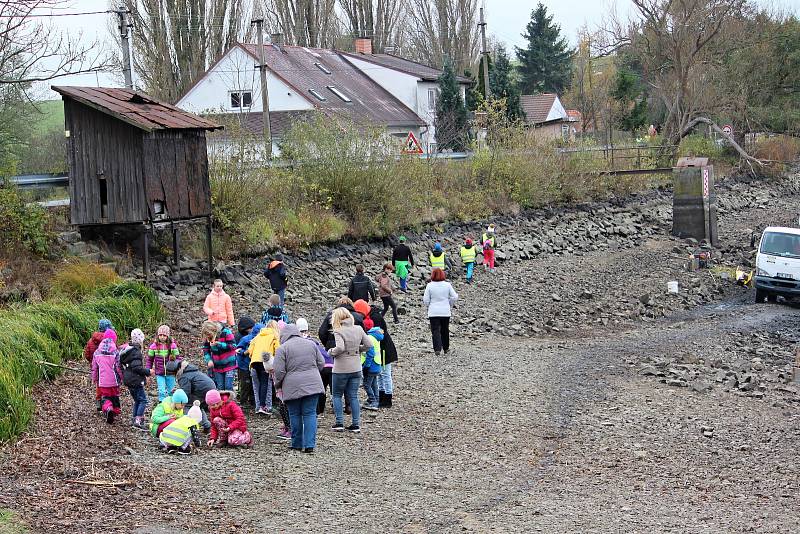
<point>176,245</point>
<point>209,245</point>
<point>146,255</point>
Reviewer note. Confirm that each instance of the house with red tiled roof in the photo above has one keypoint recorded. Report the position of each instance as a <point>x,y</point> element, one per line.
<point>547,116</point>
<point>368,89</point>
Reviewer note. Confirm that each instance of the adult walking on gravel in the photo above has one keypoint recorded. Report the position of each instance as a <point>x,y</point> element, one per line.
<point>361,287</point>
<point>218,306</point>
<point>402,259</point>
<point>276,274</point>
<point>351,341</point>
<point>439,297</point>
<point>298,365</point>
<point>385,291</point>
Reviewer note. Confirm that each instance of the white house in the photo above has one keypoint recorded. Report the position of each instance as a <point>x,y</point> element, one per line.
<point>372,89</point>
<point>300,80</point>
<point>414,84</point>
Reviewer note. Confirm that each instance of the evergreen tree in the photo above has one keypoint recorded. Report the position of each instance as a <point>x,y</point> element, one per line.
<point>474,95</point>
<point>502,84</point>
<point>629,95</point>
<point>451,114</point>
<point>546,62</point>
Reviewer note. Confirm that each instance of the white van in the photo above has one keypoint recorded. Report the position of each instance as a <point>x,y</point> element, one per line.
<point>778,264</point>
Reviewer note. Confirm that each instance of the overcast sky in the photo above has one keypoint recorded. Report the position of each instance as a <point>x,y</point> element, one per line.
<point>506,21</point>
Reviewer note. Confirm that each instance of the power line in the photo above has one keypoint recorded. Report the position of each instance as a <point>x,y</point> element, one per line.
<point>49,15</point>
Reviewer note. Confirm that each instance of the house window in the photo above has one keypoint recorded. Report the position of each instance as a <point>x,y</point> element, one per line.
<point>241,99</point>
<point>317,95</point>
<point>432,148</point>
<point>565,131</point>
<point>432,94</point>
<point>338,93</point>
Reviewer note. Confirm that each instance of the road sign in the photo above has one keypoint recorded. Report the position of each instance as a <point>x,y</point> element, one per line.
<point>705,183</point>
<point>411,145</point>
<point>727,130</point>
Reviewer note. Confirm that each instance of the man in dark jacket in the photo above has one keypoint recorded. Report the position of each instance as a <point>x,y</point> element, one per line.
<point>326,327</point>
<point>361,287</point>
<point>402,259</point>
<point>195,384</point>
<point>276,274</point>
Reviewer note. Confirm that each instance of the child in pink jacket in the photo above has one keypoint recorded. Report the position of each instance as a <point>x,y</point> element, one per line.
<point>107,376</point>
<point>218,306</point>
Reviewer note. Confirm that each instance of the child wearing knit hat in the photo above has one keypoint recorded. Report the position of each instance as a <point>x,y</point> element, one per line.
<point>182,433</point>
<point>228,425</point>
<point>161,351</point>
<point>134,375</point>
<point>103,326</point>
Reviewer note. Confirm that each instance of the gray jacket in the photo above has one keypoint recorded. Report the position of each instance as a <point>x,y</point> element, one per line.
<point>439,296</point>
<point>189,378</point>
<point>351,341</point>
<point>297,365</point>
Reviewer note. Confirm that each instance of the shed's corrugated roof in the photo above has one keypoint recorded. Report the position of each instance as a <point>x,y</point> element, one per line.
<point>137,109</point>
<point>420,70</point>
<point>370,103</point>
<point>537,107</point>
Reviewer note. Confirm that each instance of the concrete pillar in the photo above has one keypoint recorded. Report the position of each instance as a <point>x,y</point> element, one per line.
<point>694,203</point>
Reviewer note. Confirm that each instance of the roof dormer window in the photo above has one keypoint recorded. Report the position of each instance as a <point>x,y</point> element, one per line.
<point>340,94</point>
<point>317,95</point>
<point>323,68</point>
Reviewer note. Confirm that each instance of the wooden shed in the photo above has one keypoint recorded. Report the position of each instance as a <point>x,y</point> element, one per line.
<point>134,160</point>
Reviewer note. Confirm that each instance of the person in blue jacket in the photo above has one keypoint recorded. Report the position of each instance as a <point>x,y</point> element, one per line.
<point>371,363</point>
<point>246,394</point>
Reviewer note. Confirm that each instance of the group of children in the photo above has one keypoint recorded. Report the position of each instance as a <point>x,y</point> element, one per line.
<point>181,415</point>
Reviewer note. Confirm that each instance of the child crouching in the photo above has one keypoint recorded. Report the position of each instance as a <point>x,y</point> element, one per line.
<point>228,425</point>
<point>182,433</point>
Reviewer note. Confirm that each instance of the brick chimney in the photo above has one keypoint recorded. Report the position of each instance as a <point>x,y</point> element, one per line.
<point>363,45</point>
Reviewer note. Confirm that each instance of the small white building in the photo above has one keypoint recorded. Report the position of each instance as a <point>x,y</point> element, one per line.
<point>371,89</point>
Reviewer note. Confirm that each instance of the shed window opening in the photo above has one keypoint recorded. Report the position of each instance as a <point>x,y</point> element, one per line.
<point>340,94</point>
<point>323,68</point>
<point>317,95</point>
<point>241,99</point>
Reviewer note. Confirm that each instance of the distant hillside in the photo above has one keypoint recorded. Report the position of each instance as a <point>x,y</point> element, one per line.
<point>49,115</point>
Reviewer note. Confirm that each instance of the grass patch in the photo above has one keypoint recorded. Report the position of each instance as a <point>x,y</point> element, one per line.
<point>55,331</point>
<point>9,524</point>
<point>77,280</point>
<point>48,116</point>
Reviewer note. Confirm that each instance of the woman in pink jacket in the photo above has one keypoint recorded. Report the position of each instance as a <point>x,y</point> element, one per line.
<point>218,306</point>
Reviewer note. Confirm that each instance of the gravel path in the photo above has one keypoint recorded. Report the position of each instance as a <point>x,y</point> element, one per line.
<point>552,430</point>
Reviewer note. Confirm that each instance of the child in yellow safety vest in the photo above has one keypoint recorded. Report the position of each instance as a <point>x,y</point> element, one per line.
<point>469,252</point>
<point>372,365</point>
<point>182,433</point>
<point>437,257</point>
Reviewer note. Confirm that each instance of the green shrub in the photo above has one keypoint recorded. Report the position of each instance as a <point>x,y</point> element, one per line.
<point>22,225</point>
<point>700,146</point>
<point>76,280</point>
<point>56,331</point>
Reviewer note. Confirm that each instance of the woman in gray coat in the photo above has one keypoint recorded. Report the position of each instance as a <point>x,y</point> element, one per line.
<point>439,297</point>
<point>297,372</point>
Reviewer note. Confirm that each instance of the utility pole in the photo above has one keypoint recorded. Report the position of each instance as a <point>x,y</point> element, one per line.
<point>124,35</point>
<point>485,53</point>
<point>259,22</point>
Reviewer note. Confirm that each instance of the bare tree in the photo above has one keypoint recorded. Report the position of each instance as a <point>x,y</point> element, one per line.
<point>31,50</point>
<point>377,19</point>
<point>176,40</point>
<point>677,42</point>
<point>303,22</point>
<point>441,29</point>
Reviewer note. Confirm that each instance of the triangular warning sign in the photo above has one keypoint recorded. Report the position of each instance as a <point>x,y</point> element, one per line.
<point>411,145</point>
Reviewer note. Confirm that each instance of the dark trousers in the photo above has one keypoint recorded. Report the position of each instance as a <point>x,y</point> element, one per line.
<point>440,331</point>
<point>388,302</point>
<point>246,397</point>
<point>326,375</point>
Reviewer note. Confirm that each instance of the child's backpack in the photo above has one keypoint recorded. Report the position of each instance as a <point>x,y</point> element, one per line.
<point>487,245</point>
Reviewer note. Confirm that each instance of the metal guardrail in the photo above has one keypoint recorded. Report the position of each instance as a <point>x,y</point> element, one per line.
<point>40,180</point>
